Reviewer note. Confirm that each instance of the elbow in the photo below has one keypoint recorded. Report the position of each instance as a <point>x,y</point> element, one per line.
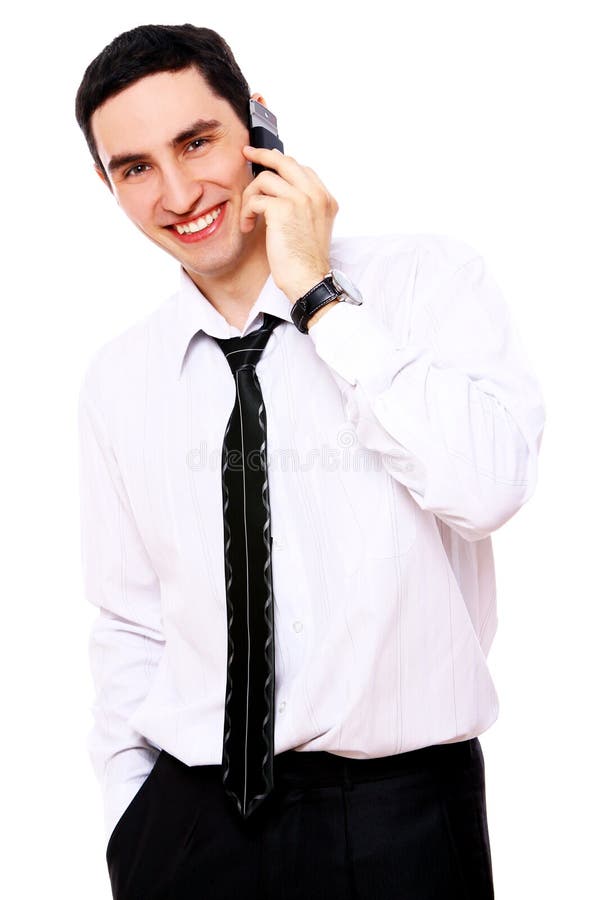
<point>498,499</point>
<point>496,505</point>
<point>489,502</point>
<point>477,500</point>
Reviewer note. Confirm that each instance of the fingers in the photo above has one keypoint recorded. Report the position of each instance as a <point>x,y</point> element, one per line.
<point>260,195</point>
<point>302,177</point>
<point>272,184</point>
<point>288,181</point>
<point>252,207</point>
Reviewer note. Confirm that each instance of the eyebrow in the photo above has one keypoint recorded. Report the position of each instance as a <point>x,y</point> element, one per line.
<point>198,127</point>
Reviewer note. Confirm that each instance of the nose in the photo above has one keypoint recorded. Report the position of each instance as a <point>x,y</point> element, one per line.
<point>180,192</point>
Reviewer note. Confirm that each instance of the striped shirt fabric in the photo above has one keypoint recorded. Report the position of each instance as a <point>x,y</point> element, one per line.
<point>402,433</point>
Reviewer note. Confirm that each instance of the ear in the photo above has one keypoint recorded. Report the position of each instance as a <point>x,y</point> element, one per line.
<point>103,178</point>
<point>260,98</point>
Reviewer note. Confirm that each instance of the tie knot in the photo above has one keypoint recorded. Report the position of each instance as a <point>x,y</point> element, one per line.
<point>247,350</point>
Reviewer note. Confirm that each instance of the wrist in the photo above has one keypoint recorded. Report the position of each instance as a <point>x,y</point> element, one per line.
<point>334,286</point>
<point>302,286</point>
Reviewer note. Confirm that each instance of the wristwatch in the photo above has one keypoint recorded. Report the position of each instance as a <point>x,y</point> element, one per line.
<point>334,286</point>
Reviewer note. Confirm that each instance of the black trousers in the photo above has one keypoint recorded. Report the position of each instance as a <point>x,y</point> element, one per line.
<point>408,827</point>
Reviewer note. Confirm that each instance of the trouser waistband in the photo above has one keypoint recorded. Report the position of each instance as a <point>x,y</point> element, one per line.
<point>321,767</point>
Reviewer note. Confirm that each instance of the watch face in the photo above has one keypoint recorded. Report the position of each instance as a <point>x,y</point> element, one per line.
<point>347,286</point>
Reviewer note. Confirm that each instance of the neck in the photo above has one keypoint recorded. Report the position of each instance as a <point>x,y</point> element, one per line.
<point>233,293</point>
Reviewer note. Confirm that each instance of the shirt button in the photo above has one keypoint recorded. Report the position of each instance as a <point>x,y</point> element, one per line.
<point>282,706</point>
<point>298,626</point>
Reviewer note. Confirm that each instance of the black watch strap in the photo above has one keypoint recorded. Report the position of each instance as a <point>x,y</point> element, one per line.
<point>318,296</point>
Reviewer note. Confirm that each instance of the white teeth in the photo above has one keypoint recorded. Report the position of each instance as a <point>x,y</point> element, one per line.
<point>198,224</point>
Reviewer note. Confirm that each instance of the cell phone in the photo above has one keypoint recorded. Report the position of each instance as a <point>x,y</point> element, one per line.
<point>262,126</point>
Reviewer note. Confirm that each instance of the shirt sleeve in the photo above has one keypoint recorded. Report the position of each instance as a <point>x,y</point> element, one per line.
<point>454,410</point>
<point>126,639</point>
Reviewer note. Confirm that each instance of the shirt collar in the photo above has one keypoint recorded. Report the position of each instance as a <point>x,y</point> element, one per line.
<point>194,313</point>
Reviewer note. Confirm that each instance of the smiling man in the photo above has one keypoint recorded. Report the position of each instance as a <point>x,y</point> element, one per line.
<point>290,472</point>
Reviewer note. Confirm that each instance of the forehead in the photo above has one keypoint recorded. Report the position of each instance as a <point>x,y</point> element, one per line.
<point>151,111</point>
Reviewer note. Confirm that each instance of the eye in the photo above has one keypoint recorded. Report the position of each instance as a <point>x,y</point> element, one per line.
<point>197,143</point>
<point>136,170</point>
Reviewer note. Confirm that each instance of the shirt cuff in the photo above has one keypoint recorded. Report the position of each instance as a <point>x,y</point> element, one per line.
<point>352,341</point>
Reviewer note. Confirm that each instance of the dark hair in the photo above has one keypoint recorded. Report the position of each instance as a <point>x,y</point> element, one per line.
<point>149,49</point>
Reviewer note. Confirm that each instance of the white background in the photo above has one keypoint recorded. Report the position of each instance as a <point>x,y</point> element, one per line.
<point>472,119</point>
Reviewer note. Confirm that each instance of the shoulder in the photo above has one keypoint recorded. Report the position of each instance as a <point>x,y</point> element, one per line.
<point>405,277</point>
<point>434,252</point>
<point>117,363</point>
<point>403,274</point>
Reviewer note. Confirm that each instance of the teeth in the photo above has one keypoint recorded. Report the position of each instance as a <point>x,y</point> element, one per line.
<point>199,224</point>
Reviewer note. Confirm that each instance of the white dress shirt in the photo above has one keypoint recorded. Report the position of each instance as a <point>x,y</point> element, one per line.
<point>400,434</point>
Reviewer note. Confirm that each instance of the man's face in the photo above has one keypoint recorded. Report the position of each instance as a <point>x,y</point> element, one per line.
<point>165,168</point>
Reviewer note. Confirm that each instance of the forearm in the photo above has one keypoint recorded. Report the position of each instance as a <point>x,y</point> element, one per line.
<point>123,658</point>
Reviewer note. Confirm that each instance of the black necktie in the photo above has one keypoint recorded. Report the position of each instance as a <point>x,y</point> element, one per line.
<point>248,734</point>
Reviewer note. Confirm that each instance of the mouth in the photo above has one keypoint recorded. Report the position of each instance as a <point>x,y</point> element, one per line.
<point>200,228</point>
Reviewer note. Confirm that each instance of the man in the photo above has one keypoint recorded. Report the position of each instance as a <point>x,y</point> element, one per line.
<point>289,658</point>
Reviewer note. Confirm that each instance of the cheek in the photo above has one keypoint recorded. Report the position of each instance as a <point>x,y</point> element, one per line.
<point>136,207</point>
<point>234,174</point>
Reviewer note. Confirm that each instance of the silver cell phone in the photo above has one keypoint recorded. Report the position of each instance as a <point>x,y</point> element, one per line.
<point>262,126</point>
